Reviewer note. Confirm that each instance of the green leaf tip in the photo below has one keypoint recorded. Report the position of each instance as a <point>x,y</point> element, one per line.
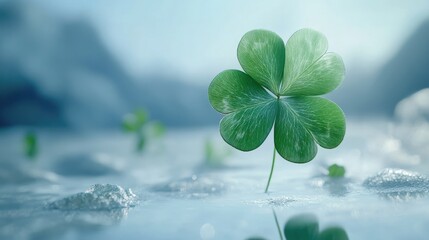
<point>30,145</point>
<point>336,171</point>
<point>281,86</point>
<point>133,122</point>
<point>309,69</point>
<point>261,54</point>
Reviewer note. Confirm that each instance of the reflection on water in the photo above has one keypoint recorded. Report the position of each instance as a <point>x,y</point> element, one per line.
<point>303,226</point>
<point>83,221</point>
<point>337,187</point>
<point>401,195</point>
<point>96,218</point>
<point>306,227</point>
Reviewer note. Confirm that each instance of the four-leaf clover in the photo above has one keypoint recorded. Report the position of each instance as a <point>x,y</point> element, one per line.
<point>280,86</point>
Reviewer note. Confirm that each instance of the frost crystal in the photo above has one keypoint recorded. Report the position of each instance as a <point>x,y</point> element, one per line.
<point>397,178</point>
<point>398,184</point>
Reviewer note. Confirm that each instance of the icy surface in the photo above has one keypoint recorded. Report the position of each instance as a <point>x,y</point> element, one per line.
<point>281,201</point>
<point>13,173</point>
<point>97,197</point>
<point>338,187</point>
<point>88,165</point>
<point>183,200</point>
<point>192,187</point>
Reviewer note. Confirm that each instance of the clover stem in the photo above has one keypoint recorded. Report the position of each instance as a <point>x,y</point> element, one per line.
<point>277,224</point>
<point>271,172</point>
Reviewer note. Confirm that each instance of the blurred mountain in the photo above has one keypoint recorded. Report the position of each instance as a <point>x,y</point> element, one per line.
<point>178,102</point>
<point>404,74</point>
<point>21,102</point>
<point>56,72</point>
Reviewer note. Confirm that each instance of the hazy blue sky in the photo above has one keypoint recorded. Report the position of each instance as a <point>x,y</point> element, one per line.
<point>196,39</point>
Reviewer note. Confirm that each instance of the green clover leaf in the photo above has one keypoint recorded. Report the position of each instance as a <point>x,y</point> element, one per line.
<point>280,86</point>
<point>336,171</point>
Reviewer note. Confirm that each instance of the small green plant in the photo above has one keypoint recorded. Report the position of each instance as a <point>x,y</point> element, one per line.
<point>336,171</point>
<point>280,86</point>
<point>139,124</point>
<point>30,145</point>
<point>214,156</point>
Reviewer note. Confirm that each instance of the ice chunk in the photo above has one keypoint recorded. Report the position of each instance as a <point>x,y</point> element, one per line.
<point>398,184</point>
<point>397,178</point>
<point>97,197</point>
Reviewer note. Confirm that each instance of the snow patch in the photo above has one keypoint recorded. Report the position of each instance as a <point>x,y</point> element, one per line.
<point>97,197</point>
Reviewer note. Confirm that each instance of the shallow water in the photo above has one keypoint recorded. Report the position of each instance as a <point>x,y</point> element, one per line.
<point>181,197</point>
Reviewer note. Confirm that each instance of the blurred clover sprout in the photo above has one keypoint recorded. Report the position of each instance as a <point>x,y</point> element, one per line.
<point>280,86</point>
<point>214,156</point>
<point>139,124</point>
<point>30,145</point>
<point>336,171</point>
